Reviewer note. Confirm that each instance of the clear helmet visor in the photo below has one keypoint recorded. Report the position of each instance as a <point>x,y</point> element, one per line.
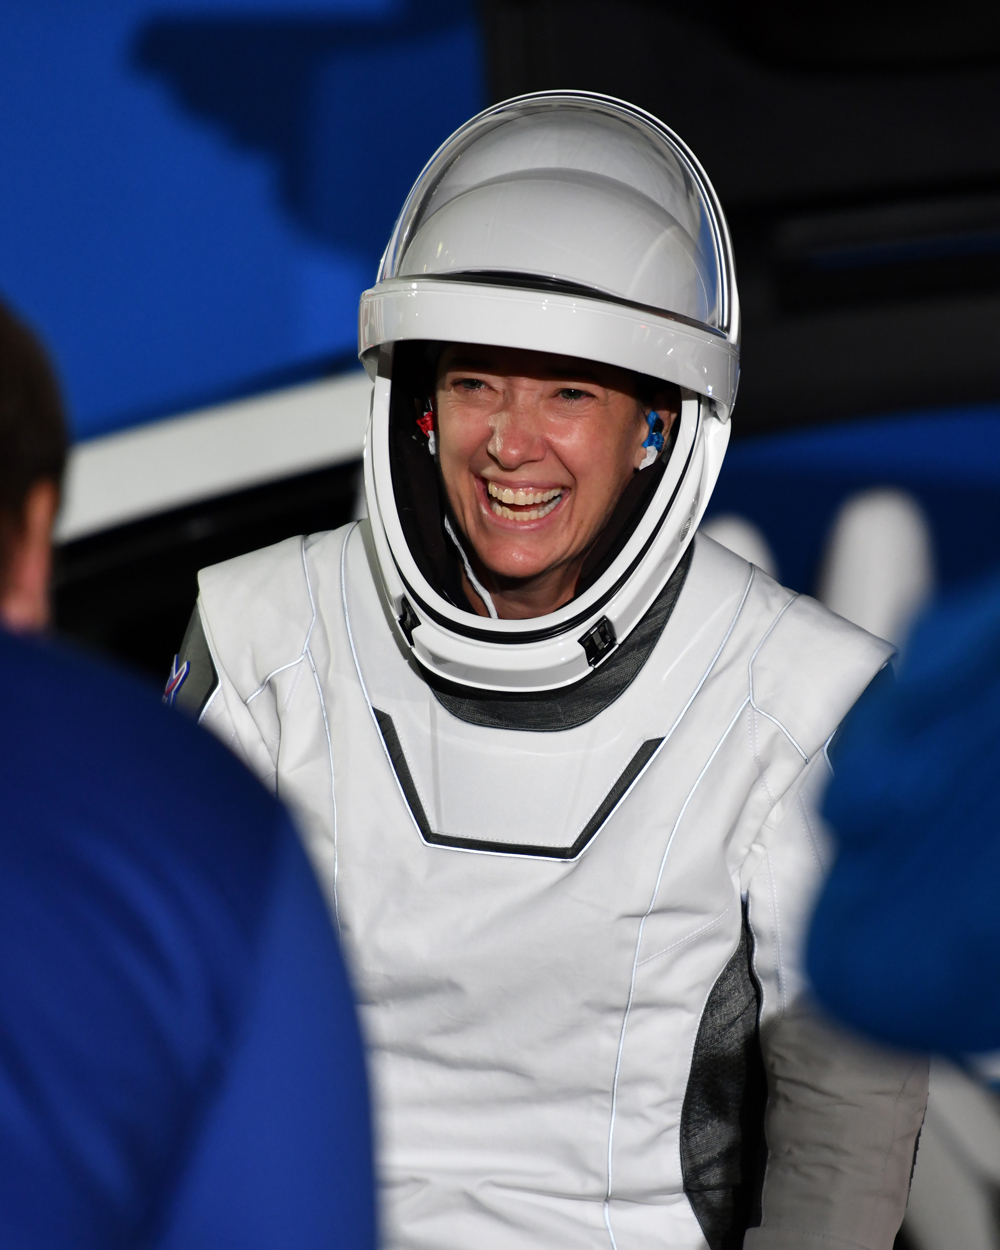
<point>574,190</point>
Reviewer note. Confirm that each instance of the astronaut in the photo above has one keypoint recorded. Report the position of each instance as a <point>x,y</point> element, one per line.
<point>555,756</point>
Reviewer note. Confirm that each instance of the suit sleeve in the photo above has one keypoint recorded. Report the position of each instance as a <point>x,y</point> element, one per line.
<point>843,1115</point>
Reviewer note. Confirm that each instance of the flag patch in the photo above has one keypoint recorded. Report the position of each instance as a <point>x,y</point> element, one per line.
<point>178,675</point>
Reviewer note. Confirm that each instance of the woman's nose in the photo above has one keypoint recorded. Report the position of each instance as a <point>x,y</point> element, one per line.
<point>516,436</point>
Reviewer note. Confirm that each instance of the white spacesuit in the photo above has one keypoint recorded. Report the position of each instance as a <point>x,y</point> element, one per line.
<point>570,856</point>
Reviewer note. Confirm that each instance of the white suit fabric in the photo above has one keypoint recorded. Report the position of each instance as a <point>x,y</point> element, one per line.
<point>535,921</point>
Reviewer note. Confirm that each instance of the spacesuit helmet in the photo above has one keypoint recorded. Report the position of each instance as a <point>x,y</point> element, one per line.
<point>575,224</point>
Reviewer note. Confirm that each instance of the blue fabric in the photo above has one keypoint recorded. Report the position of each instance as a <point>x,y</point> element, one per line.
<point>179,1058</point>
<point>905,942</point>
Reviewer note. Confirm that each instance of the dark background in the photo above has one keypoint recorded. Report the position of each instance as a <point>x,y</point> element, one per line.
<point>856,150</point>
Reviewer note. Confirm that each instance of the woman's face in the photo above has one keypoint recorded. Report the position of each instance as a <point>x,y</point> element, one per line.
<point>535,451</point>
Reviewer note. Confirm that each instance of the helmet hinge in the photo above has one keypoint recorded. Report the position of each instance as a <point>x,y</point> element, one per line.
<point>408,621</point>
<point>599,641</point>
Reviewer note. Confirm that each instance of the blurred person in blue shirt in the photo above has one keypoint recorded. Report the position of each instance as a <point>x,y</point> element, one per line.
<point>32,459</point>
<point>905,943</point>
<point>180,1063</point>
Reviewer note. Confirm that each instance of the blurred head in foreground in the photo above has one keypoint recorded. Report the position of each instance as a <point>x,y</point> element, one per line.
<point>180,1063</point>
<point>32,459</point>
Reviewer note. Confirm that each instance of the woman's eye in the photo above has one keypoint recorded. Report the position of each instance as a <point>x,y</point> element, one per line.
<point>572,394</point>
<point>472,384</point>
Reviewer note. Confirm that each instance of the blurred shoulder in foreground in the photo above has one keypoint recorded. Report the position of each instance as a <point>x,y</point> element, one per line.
<point>33,448</point>
<point>906,938</point>
<point>180,1062</point>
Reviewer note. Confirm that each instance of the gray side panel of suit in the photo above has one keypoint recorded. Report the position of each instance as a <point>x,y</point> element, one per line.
<point>722,1121</point>
<point>202,679</point>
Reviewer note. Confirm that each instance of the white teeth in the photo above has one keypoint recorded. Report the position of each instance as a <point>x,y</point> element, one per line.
<point>533,515</point>
<point>506,494</point>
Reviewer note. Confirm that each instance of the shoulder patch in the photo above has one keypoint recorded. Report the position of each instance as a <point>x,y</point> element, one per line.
<point>193,678</point>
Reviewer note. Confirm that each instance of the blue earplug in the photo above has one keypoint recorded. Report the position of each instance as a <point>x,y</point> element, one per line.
<point>655,436</point>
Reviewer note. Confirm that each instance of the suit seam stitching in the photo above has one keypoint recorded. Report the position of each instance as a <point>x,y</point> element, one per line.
<point>305,646</point>
<point>705,928</point>
<point>628,1003</point>
<point>811,837</point>
<point>779,963</point>
<point>307,652</point>
<point>638,947</point>
<point>750,664</point>
<point>361,681</point>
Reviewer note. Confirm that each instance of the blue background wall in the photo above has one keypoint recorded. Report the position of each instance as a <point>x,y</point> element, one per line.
<point>791,485</point>
<point>195,193</point>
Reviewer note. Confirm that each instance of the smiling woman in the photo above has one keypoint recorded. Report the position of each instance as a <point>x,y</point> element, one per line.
<point>535,452</point>
<point>553,751</point>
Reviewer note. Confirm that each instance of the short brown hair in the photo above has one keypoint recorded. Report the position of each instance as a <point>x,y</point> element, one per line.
<point>33,441</point>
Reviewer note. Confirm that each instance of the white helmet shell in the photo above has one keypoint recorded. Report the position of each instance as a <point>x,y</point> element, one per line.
<point>577,224</point>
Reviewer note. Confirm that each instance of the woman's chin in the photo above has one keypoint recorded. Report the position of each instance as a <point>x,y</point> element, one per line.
<point>519,565</point>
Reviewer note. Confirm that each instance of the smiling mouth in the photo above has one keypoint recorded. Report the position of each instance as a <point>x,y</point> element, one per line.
<point>518,504</point>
